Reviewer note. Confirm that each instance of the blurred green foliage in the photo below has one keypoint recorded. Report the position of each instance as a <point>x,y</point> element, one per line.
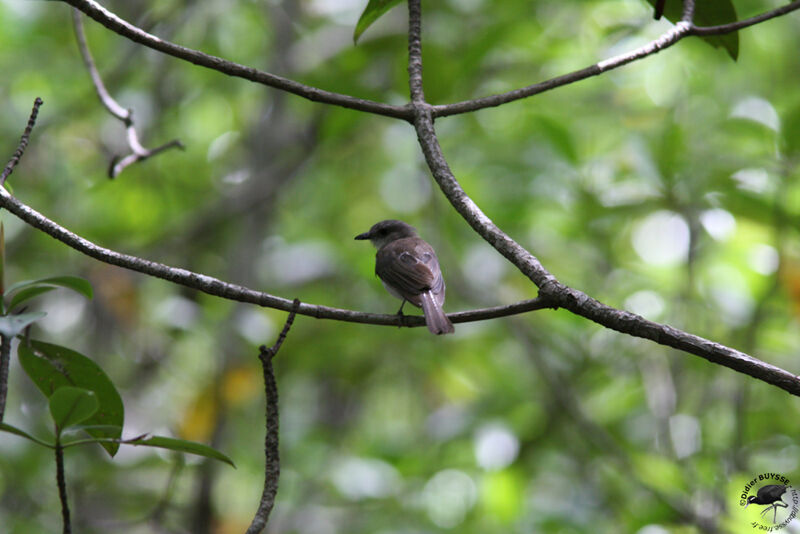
<point>668,187</point>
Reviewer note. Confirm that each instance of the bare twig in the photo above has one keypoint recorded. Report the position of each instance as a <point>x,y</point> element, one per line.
<point>670,37</point>
<point>62,487</point>
<point>23,142</point>
<point>272,465</point>
<point>138,152</point>
<point>128,30</point>
<point>105,98</point>
<point>120,164</point>
<point>5,359</point>
<point>563,296</point>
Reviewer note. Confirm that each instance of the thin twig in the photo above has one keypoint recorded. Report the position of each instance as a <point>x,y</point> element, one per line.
<point>272,465</point>
<point>138,152</point>
<point>5,358</point>
<point>128,30</point>
<point>219,288</point>
<point>670,37</point>
<point>62,487</point>
<point>110,104</point>
<point>23,142</point>
<point>120,164</point>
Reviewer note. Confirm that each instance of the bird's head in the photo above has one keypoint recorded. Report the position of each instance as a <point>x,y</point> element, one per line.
<point>387,231</point>
<point>750,500</point>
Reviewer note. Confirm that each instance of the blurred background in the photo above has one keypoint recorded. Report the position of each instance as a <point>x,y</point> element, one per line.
<point>668,188</point>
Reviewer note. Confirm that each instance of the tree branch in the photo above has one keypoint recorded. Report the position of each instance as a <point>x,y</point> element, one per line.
<point>272,465</point>
<point>219,288</point>
<point>563,296</point>
<point>136,34</point>
<point>670,37</point>
<point>554,292</point>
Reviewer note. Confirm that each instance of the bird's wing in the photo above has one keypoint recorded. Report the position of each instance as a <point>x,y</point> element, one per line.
<point>407,269</point>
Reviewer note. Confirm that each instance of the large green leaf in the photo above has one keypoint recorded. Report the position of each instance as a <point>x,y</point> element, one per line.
<point>374,10</point>
<point>71,406</point>
<point>11,325</point>
<point>75,283</point>
<point>180,445</point>
<point>52,367</point>
<point>708,13</point>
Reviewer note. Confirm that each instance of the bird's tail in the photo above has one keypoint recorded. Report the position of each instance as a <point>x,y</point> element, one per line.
<point>437,321</point>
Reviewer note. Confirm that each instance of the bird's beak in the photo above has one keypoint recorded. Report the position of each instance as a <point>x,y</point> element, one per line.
<point>365,235</point>
<point>746,505</point>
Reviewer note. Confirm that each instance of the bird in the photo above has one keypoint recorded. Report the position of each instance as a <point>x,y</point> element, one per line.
<point>770,494</point>
<point>409,270</point>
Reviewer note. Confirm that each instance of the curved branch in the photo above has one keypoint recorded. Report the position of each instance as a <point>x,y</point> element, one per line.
<point>136,34</point>
<point>105,97</point>
<point>736,26</point>
<point>219,288</point>
<point>576,301</point>
<point>550,288</point>
<point>673,35</point>
<point>138,152</point>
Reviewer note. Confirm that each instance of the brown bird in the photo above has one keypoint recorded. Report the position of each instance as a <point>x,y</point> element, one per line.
<point>409,270</point>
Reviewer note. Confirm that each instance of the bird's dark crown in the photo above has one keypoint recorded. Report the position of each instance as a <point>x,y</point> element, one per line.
<point>384,232</point>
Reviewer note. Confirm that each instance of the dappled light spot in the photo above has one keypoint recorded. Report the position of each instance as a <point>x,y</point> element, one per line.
<point>662,238</point>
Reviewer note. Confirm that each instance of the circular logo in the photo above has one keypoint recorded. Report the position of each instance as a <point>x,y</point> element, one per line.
<point>771,502</point>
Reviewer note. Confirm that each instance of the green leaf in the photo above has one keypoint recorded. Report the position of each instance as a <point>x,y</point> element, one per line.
<point>27,294</point>
<point>11,325</point>
<point>75,283</point>
<point>180,445</point>
<point>52,367</point>
<point>70,406</point>
<point>374,10</point>
<point>708,13</point>
<point>5,427</point>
